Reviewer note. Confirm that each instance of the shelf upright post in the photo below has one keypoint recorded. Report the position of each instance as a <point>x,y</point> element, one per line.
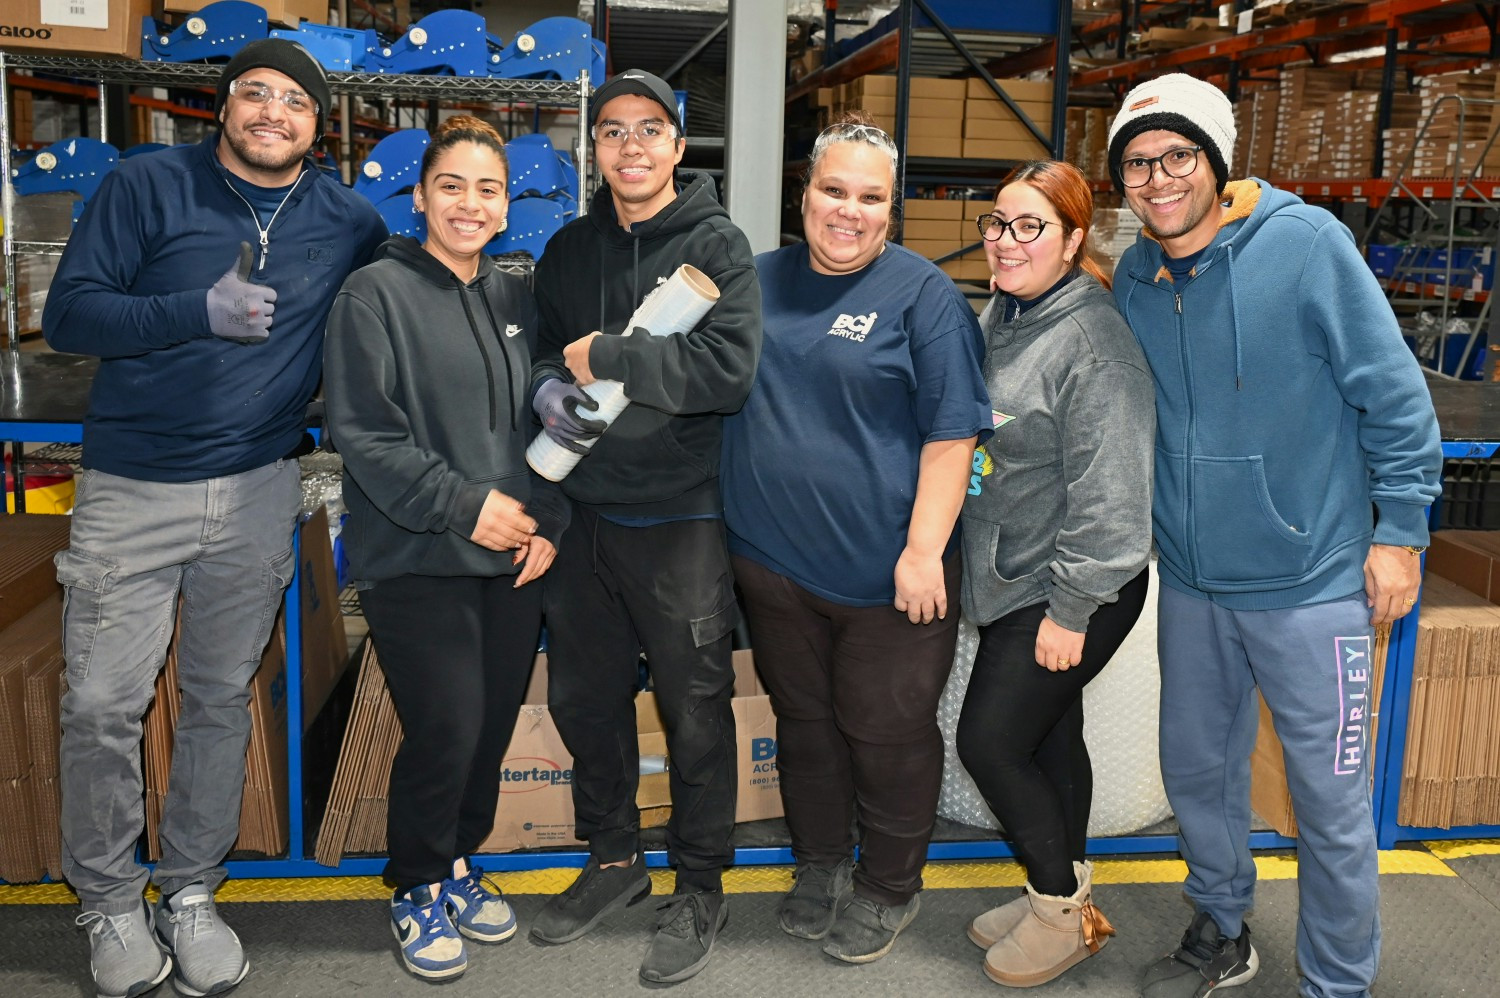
<point>1060,78</point>
<point>8,221</point>
<point>1387,96</point>
<point>1123,35</point>
<point>903,111</point>
<point>585,172</point>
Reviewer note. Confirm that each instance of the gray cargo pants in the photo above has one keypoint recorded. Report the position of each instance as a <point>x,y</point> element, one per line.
<point>226,545</point>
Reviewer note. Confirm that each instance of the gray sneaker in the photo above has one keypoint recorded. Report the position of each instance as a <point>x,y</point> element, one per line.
<point>1205,961</point>
<point>865,930</point>
<point>817,895</point>
<point>124,955</point>
<point>685,936</point>
<point>210,958</point>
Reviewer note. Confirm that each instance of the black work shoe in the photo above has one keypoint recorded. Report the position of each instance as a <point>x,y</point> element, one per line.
<point>865,930</point>
<point>818,894</point>
<point>685,936</point>
<point>597,892</point>
<point>1205,961</point>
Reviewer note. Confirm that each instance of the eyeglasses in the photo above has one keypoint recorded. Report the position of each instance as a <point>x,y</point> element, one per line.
<point>1177,163</point>
<point>649,134</point>
<point>295,101</point>
<point>1025,229</point>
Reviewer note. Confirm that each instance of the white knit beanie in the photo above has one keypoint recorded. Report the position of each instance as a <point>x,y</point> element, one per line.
<point>1180,103</point>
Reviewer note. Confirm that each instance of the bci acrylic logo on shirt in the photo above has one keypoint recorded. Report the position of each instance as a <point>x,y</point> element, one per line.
<point>853,327</point>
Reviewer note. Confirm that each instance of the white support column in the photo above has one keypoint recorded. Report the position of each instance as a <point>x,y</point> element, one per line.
<point>755,117</point>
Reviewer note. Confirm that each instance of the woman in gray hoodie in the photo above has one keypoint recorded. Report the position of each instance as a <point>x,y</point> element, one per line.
<point>427,368</point>
<point>1057,532</point>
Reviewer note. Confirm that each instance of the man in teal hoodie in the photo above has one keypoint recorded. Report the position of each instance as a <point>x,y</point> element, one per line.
<point>1296,456</point>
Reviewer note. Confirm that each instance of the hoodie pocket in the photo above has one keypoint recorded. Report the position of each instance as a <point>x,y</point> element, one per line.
<point>991,595</point>
<point>1239,536</point>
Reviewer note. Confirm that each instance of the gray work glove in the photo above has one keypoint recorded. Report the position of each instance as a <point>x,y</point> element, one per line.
<point>238,310</point>
<point>556,404</point>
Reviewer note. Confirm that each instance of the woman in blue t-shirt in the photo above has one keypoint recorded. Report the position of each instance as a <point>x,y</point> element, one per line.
<point>843,477</point>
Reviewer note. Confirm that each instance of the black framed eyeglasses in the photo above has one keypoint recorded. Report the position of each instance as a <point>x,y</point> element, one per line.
<point>1177,163</point>
<point>1024,229</point>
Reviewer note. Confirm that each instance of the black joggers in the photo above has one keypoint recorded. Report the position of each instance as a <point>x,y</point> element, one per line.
<point>666,590</point>
<point>456,653</point>
<point>1021,734</point>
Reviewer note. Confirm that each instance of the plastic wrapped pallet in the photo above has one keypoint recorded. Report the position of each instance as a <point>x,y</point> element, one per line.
<point>1121,712</point>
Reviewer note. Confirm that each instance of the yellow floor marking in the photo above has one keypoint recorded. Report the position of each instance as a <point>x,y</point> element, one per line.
<point>944,875</point>
<point>1463,848</point>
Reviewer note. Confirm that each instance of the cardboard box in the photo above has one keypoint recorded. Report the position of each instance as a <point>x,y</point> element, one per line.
<point>536,778</point>
<point>1016,90</point>
<point>1006,129</point>
<point>1005,150</point>
<point>945,230</point>
<point>921,87</point>
<point>1469,558</point>
<point>283,12</point>
<point>97,27</point>
<point>932,208</point>
<point>928,147</point>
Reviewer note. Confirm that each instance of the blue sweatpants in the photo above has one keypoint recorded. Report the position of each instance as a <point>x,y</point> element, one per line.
<point>1312,665</point>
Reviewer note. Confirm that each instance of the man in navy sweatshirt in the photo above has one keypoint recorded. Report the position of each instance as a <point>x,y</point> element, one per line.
<point>1296,456</point>
<point>201,276</point>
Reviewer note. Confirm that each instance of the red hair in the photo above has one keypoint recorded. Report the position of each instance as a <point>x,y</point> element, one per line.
<point>1068,192</point>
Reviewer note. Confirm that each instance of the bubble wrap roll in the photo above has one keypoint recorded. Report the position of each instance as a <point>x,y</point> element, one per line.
<point>1121,713</point>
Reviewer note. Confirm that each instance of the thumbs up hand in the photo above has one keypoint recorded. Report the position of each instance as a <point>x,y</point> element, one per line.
<point>238,310</point>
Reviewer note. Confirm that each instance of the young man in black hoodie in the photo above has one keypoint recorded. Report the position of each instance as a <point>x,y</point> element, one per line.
<point>643,566</point>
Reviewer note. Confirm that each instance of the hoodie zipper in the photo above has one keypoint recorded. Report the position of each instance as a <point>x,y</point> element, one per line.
<point>1189,531</point>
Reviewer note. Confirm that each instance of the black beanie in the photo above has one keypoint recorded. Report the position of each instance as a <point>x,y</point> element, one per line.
<point>287,58</point>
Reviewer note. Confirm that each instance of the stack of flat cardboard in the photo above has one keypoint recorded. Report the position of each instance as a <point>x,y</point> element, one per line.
<point>1450,147</point>
<point>1451,772</point>
<point>1302,117</point>
<point>1087,141</point>
<point>1114,230</point>
<point>1349,150</point>
<point>1255,129</point>
<point>31,677</point>
<point>935,111</point>
<point>264,808</point>
<point>536,777</point>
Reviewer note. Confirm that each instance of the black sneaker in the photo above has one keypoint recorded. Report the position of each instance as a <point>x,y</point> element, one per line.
<point>817,895</point>
<point>865,930</point>
<point>1205,961</point>
<point>597,892</point>
<point>685,936</point>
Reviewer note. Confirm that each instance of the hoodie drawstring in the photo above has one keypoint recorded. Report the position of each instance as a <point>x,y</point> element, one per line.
<point>489,370</point>
<point>1234,314</point>
<point>510,374</point>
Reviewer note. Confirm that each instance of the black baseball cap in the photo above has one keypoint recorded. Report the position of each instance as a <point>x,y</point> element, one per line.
<point>640,83</point>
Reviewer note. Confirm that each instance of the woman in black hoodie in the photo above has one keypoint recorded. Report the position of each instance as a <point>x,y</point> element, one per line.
<point>426,369</point>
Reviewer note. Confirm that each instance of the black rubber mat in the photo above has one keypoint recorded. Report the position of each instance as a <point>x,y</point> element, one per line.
<point>1438,941</point>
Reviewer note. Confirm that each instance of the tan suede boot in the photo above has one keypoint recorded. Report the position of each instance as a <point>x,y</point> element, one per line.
<point>989,928</point>
<point>1055,934</point>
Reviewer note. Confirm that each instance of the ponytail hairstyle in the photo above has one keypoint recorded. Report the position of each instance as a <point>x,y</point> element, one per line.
<point>1068,192</point>
<point>464,128</point>
<point>857,126</point>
